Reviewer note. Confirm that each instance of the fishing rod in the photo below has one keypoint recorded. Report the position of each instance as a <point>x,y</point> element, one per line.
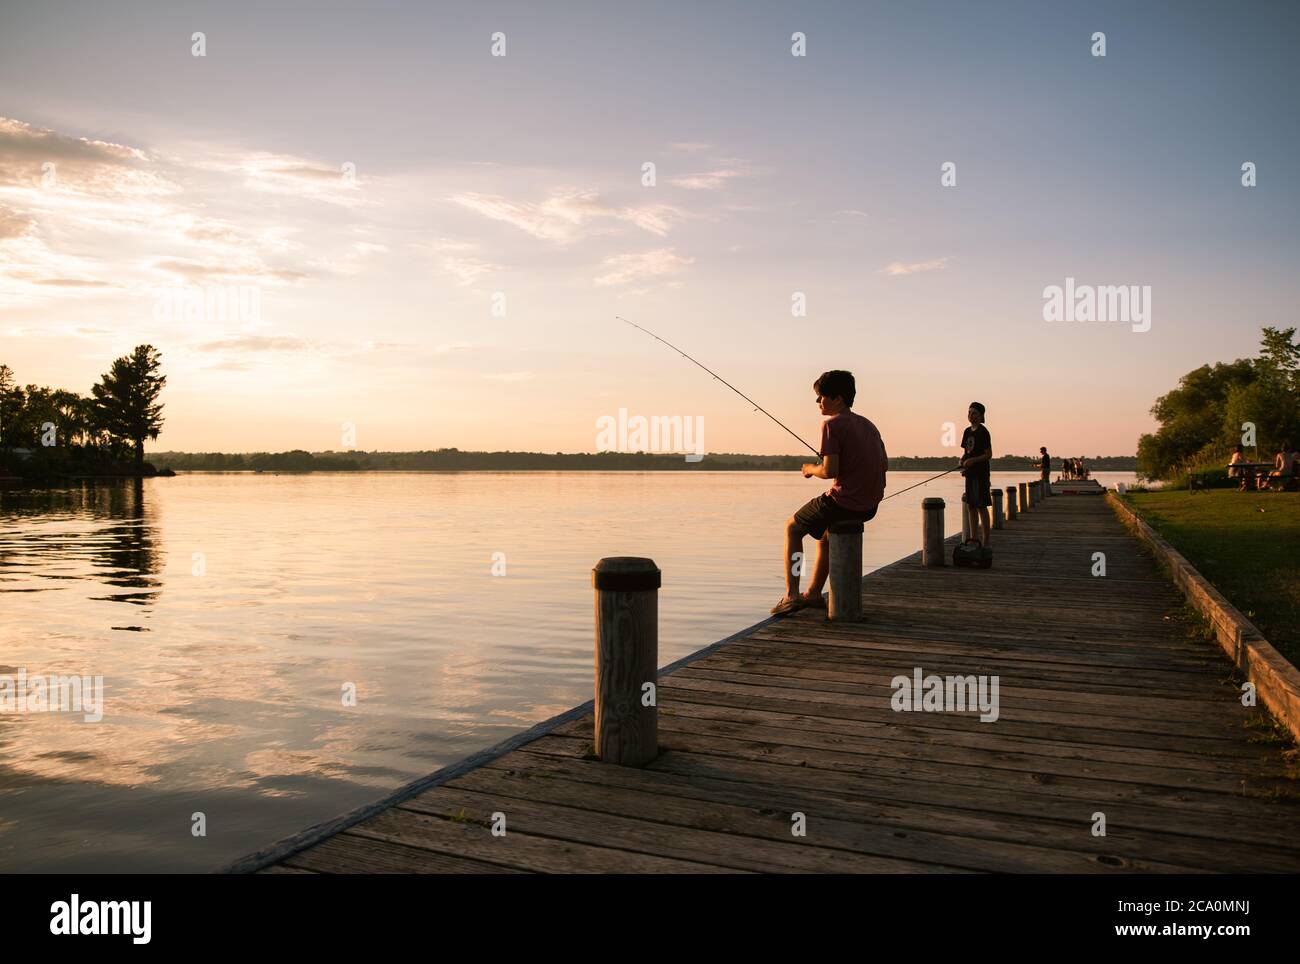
<point>757,407</point>
<point>931,479</point>
<point>760,408</point>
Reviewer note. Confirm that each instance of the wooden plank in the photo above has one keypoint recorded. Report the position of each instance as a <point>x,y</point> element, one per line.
<point>440,834</point>
<point>693,836</point>
<point>836,840</point>
<point>1019,843</point>
<point>347,853</point>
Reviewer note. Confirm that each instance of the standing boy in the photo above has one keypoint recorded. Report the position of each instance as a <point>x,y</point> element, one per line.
<point>1045,464</point>
<point>853,454</point>
<point>974,464</point>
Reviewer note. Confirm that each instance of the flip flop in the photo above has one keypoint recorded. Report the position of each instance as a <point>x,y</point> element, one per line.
<point>786,606</point>
<point>806,603</point>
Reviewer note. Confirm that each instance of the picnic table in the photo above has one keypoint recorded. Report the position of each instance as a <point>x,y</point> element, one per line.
<point>1249,470</point>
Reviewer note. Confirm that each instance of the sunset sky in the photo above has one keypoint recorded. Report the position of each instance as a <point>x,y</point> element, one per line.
<point>128,166</point>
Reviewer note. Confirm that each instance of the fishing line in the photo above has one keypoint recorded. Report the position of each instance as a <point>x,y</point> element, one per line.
<point>760,408</point>
<point>757,407</point>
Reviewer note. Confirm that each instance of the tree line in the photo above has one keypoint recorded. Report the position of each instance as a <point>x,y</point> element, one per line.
<point>1253,402</point>
<point>55,430</point>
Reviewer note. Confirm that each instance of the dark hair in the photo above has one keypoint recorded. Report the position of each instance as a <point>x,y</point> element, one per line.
<point>977,406</point>
<point>837,384</point>
<point>1241,450</point>
<point>1042,448</point>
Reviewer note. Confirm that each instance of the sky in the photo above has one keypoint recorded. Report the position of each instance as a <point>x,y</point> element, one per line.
<point>432,242</point>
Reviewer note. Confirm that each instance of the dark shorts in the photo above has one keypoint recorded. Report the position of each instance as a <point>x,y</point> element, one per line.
<point>977,491</point>
<point>823,511</point>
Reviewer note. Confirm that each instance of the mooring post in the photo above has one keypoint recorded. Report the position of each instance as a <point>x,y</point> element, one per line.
<point>932,532</point>
<point>1024,497</point>
<point>997,508</point>
<point>846,571</point>
<point>627,659</point>
<point>965,519</point>
<point>1011,502</point>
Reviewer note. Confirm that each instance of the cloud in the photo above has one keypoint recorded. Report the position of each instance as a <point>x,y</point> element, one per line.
<point>690,147</point>
<point>563,216</point>
<point>511,377</point>
<point>200,271</point>
<point>258,343</point>
<point>32,156</point>
<point>74,283</point>
<point>708,181</point>
<point>13,224</point>
<point>896,269</point>
<point>626,268</point>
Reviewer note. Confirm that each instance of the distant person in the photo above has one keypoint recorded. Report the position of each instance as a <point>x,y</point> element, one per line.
<point>974,465</point>
<point>853,454</point>
<point>1045,465</point>
<point>1238,457</point>
<point>1283,468</point>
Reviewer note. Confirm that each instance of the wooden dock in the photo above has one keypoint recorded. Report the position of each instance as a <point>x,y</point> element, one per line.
<point>1107,707</point>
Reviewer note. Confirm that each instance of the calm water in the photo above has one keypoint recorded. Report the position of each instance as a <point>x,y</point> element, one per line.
<point>224,672</point>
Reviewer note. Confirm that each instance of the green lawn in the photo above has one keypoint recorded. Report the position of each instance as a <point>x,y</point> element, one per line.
<point>1246,543</point>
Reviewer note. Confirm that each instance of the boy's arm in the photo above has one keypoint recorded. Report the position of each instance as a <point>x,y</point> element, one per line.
<point>829,468</point>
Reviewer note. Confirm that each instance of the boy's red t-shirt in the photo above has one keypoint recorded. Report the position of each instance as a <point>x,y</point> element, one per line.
<point>860,485</point>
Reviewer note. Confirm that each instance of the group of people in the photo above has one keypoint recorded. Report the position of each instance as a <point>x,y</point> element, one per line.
<point>1284,469</point>
<point>853,455</point>
<point>1073,470</point>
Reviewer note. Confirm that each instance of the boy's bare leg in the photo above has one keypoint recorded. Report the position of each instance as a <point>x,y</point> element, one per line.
<point>983,521</point>
<point>793,546</point>
<point>822,570</point>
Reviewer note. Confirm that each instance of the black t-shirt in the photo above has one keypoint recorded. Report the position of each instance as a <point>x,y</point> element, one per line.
<point>975,441</point>
<point>1047,465</point>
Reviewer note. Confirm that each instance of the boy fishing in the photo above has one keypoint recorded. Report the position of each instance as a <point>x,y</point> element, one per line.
<point>853,454</point>
<point>978,452</point>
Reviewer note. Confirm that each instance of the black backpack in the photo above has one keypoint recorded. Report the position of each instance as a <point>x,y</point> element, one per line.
<point>971,555</point>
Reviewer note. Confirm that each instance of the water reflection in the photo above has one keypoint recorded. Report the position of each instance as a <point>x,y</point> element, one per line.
<point>123,550</point>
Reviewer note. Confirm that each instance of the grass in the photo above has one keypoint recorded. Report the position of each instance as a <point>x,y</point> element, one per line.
<point>1247,544</point>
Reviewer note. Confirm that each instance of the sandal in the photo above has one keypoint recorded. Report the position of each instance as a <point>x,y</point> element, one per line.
<point>787,605</point>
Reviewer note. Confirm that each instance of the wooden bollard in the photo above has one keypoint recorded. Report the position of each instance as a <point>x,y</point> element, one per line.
<point>932,532</point>
<point>1035,494</point>
<point>997,508</point>
<point>965,519</point>
<point>627,659</point>
<point>846,571</point>
<point>1024,497</point>
<point>1011,502</point>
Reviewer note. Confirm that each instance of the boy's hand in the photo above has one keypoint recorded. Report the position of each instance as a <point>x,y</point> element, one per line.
<point>808,470</point>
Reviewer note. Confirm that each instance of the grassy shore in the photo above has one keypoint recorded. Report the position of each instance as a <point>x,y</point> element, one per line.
<point>1247,544</point>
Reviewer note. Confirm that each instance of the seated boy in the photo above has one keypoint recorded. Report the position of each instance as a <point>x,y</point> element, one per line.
<point>853,454</point>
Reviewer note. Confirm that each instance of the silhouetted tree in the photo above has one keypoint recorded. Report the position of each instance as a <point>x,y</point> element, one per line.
<point>126,399</point>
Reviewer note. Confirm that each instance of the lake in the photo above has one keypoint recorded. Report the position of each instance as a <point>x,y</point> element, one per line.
<point>230,615</point>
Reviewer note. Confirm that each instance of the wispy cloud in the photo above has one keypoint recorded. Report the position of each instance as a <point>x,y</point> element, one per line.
<point>511,376</point>
<point>564,217</point>
<point>896,269</point>
<point>626,268</point>
<point>258,343</point>
<point>708,180</point>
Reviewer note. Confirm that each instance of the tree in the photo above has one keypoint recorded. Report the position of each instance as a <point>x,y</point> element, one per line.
<point>126,402</point>
<point>11,406</point>
<point>1205,416</point>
